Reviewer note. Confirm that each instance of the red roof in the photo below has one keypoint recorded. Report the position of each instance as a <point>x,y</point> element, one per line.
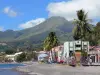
<point>94,47</point>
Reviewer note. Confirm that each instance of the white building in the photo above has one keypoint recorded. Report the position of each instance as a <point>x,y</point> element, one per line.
<point>72,46</point>
<point>13,56</point>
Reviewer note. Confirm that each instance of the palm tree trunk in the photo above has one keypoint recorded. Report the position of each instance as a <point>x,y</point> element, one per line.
<point>81,53</point>
<point>81,45</point>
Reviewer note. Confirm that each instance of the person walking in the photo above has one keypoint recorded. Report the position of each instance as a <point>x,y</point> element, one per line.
<point>90,61</point>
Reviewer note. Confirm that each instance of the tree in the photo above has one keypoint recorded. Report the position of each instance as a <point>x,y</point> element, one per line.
<point>97,33</point>
<point>10,51</point>
<point>76,34</point>
<point>31,56</point>
<point>94,36</point>
<point>82,28</point>
<point>51,41</point>
<point>82,25</point>
<point>21,57</point>
<point>91,37</point>
<point>26,56</point>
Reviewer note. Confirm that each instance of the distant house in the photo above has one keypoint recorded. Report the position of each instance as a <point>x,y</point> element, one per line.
<point>56,54</point>
<point>42,55</point>
<point>13,56</point>
<point>94,53</point>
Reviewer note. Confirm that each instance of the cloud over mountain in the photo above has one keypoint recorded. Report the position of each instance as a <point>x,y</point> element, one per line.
<point>68,9</point>
<point>32,23</point>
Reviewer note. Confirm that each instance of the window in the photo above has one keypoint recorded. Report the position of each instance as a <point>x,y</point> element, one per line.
<point>77,45</point>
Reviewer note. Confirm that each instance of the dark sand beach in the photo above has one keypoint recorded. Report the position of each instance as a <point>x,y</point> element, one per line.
<point>55,69</point>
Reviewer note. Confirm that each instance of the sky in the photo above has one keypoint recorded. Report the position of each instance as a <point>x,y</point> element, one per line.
<point>21,14</point>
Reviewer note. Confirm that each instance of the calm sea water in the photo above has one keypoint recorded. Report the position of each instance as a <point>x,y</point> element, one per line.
<point>5,69</point>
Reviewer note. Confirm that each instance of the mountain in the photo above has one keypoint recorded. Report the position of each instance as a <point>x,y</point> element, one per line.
<point>37,34</point>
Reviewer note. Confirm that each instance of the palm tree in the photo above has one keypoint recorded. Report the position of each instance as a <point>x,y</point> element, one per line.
<point>51,41</point>
<point>82,27</point>
<point>76,33</point>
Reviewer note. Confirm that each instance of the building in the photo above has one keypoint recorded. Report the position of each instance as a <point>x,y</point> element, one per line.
<point>42,55</point>
<point>13,56</point>
<point>56,53</point>
<point>94,54</point>
<point>71,47</point>
<point>63,52</point>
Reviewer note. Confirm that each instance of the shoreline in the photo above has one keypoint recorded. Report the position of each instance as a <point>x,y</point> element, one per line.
<point>25,65</point>
<point>55,69</point>
<point>25,71</point>
<point>20,72</point>
<point>14,68</point>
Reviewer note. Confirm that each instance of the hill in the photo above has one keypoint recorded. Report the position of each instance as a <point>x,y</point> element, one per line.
<point>37,34</point>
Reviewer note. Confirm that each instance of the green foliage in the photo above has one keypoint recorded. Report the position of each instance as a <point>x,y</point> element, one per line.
<point>10,51</point>
<point>31,56</point>
<point>84,53</point>
<point>3,48</point>
<point>97,32</point>
<point>51,41</point>
<point>27,56</point>
<point>94,36</point>
<point>82,26</point>
<point>21,57</point>
<point>81,30</point>
<point>76,34</point>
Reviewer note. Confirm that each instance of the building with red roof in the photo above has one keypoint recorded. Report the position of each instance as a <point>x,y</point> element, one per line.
<point>94,53</point>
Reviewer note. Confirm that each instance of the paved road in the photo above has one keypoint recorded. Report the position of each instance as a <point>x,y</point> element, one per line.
<point>54,69</point>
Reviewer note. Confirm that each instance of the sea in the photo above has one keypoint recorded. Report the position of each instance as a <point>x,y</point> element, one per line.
<point>6,69</point>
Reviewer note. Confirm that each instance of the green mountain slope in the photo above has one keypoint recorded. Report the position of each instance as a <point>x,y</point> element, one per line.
<point>37,34</point>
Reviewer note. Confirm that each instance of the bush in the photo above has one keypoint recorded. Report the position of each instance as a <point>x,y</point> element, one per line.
<point>26,57</point>
<point>10,51</point>
<point>31,55</point>
<point>21,57</point>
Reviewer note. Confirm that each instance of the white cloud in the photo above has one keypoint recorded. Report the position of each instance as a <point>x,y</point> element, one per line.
<point>1,28</point>
<point>68,9</point>
<point>31,23</point>
<point>10,12</point>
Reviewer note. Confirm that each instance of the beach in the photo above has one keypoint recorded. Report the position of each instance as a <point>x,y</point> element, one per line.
<point>55,69</point>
